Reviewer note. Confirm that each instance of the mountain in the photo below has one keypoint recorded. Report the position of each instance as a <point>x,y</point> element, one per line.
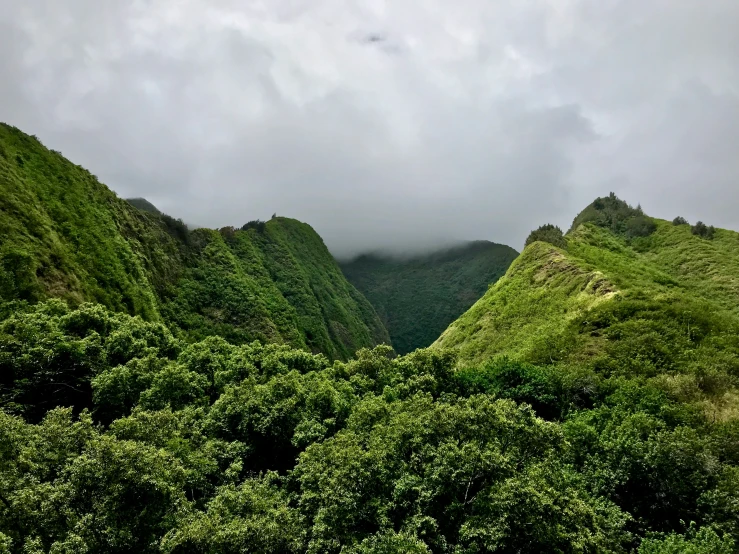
<point>118,435</point>
<point>418,297</point>
<point>144,205</point>
<point>625,294</point>
<point>66,235</point>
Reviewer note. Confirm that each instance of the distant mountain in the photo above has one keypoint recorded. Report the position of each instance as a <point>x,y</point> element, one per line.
<point>144,205</point>
<point>627,295</point>
<point>418,297</point>
<point>66,235</point>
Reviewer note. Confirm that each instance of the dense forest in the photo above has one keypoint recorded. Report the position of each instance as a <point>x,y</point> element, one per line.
<point>417,297</point>
<point>195,391</point>
<point>66,235</point>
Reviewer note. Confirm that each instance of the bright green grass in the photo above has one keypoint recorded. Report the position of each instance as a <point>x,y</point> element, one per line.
<point>663,307</point>
<point>66,235</point>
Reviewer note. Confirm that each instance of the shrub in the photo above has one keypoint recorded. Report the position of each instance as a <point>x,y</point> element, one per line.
<point>640,226</point>
<point>702,230</point>
<point>613,213</point>
<point>679,220</point>
<point>548,233</point>
<point>257,224</point>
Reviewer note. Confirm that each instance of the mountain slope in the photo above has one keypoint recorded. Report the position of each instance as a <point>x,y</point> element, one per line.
<point>663,306</point>
<point>418,297</point>
<point>143,204</point>
<point>66,235</point>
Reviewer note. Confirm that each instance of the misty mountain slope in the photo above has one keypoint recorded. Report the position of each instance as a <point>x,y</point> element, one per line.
<point>143,204</point>
<point>418,297</point>
<point>66,235</point>
<point>663,306</point>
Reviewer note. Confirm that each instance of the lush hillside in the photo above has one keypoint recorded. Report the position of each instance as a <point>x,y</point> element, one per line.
<point>418,297</point>
<point>117,437</point>
<point>662,303</point>
<point>66,235</point>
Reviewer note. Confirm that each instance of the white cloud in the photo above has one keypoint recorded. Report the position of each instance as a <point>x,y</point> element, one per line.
<point>386,124</point>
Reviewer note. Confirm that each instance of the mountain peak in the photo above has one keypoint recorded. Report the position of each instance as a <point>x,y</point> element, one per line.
<point>144,205</point>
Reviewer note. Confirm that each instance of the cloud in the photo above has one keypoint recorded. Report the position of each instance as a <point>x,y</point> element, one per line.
<point>386,124</point>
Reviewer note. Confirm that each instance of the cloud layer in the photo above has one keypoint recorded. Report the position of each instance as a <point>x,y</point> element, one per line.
<point>386,124</point>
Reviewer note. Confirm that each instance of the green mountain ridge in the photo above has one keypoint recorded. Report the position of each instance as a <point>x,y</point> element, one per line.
<point>663,304</point>
<point>418,296</point>
<point>587,403</point>
<point>66,235</point>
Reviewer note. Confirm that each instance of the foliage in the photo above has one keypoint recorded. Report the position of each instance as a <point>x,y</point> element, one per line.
<point>702,230</point>
<point>547,233</point>
<point>663,307</point>
<point>679,220</point>
<point>257,224</point>
<point>143,204</point>
<point>704,541</point>
<point>610,212</point>
<point>219,447</point>
<point>65,235</point>
<point>419,296</point>
<point>587,403</point>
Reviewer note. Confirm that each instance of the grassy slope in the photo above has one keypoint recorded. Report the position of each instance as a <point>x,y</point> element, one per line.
<point>665,307</point>
<point>418,297</point>
<point>66,235</point>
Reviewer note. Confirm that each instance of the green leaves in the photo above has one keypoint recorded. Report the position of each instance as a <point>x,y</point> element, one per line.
<point>703,541</point>
<point>453,473</point>
<point>213,447</point>
<point>547,233</point>
<point>252,517</point>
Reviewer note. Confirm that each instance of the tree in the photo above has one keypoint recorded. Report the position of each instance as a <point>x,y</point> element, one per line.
<point>679,220</point>
<point>704,541</point>
<point>702,230</point>
<point>257,224</point>
<point>547,233</point>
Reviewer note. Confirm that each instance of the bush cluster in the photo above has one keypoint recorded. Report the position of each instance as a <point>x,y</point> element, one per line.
<point>702,230</point>
<point>117,437</point>
<point>547,233</point>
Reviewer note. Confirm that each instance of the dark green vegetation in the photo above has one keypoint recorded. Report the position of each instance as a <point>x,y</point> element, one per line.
<point>418,297</point>
<point>66,235</point>
<point>702,230</point>
<point>211,447</point>
<point>647,318</point>
<point>547,233</point>
<point>144,205</point>
<point>587,403</point>
<point>614,214</point>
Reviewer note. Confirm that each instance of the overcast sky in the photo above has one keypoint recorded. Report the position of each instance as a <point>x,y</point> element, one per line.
<point>392,123</point>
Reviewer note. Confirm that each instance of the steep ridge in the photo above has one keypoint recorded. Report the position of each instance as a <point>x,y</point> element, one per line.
<point>418,297</point>
<point>661,302</point>
<point>66,235</point>
<point>119,436</point>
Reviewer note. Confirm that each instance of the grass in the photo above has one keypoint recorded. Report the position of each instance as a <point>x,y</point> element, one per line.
<point>662,307</point>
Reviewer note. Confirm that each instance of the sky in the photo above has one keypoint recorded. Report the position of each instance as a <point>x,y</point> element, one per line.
<point>395,125</point>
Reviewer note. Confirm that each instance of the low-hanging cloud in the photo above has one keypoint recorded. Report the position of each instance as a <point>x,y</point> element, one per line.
<point>395,125</point>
